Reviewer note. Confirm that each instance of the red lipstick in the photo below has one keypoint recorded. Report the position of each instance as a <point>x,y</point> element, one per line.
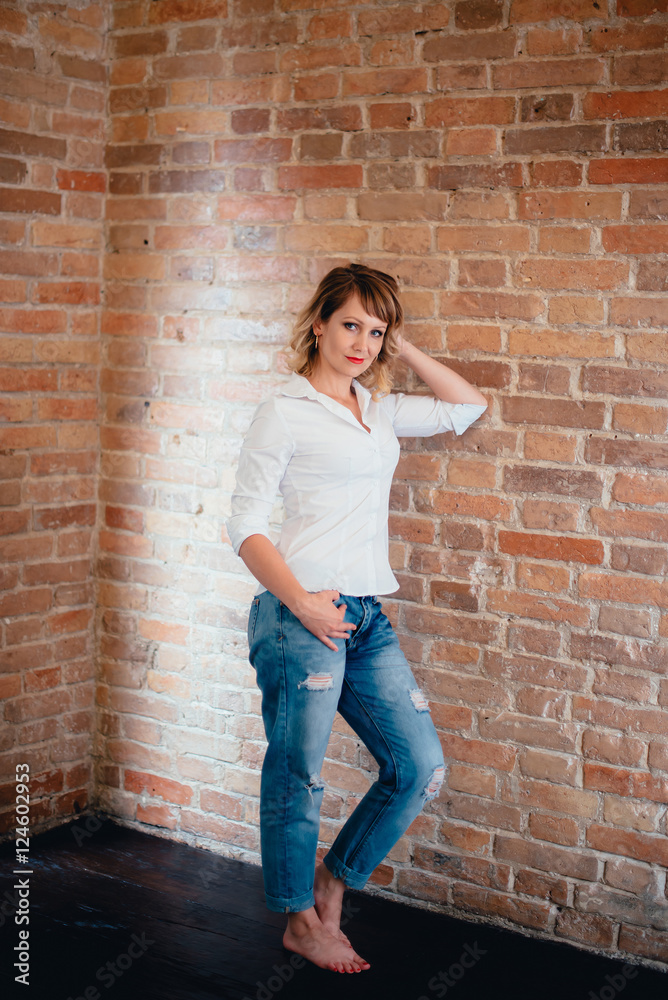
<point>355,361</point>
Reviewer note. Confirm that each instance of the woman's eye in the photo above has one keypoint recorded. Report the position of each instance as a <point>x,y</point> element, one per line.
<point>351,324</point>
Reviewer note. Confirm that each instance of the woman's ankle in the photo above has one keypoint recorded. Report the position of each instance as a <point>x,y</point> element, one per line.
<point>303,920</point>
<point>325,881</point>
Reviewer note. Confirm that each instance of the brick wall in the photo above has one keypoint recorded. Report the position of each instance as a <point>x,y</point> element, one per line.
<point>52,184</point>
<point>507,162</point>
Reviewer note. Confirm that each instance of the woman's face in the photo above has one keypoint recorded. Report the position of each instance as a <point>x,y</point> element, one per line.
<point>350,340</point>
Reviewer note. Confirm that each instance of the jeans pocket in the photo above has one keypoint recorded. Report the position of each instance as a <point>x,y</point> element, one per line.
<point>252,618</point>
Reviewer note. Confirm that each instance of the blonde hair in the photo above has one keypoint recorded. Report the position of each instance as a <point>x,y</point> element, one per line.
<point>378,293</point>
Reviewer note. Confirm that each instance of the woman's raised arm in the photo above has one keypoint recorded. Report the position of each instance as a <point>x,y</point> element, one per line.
<point>443,382</point>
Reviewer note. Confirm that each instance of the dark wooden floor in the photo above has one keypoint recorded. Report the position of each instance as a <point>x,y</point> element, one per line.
<point>180,923</point>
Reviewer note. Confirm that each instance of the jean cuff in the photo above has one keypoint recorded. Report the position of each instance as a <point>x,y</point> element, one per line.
<point>293,904</point>
<point>352,879</point>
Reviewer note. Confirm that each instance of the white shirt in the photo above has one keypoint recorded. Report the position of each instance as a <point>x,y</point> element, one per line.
<point>334,477</point>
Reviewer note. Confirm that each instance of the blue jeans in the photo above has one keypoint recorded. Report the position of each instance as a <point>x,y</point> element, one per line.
<point>303,683</point>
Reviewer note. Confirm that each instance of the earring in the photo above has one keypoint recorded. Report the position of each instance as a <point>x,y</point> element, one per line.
<point>316,340</point>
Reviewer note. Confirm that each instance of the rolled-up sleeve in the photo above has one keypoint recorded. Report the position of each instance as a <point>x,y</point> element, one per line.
<point>424,416</point>
<point>265,453</point>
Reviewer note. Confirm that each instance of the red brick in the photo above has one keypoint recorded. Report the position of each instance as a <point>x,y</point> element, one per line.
<point>554,829</point>
<point>640,489</point>
<point>486,901</point>
<point>588,928</point>
<point>647,135</point>
<point>561,205</point>
<point>411,528</point>
<point>192,122</point>
<point>609,714</point>
<point>394,115</point>
<point>554,173</point>
<point>549,766</point>
<point>499,756</point>
<point>631,877</point>
<point>572,863</point>
<point>566,273</point>
<point>12,171</point>
<point>551,547</point>
<point>470,141</point>
<point>648,204</point>
<point>295,177</point>
<point>450,686</point>
<point>616,780</point>
<point>33,321</point>
<point>140,43</point>
<point>13,21</point>
<point>642,846</point>
<point>548,733</point>
<point>490,305</point>
<point>636,239</point>
<point>559,412</point>
<point>316,86</point>
<point>71,292</point>
<point>580,309</point>
<point>628,171</point>
<point>617,587</point>
<point>176,181</point>
<point>186,10</point>
<point>320,56</point>
<point>645,68</point>
<point>479,46</point>
<point>644,941</point>
<point>544,72</point>
<point>252,150</point>
<point>639,419</point>
<point>453,502</point>
<point>501,238</point>
<point>12,291</point>
<point>402,207</point>
<point>11,231</point>
<point>225,805</point>
<point>31,202</point>
<point>625,104</point>
<point>400,19</point>
<point>476,175</point>
<point>638,8</point>
<point>546,10</point>
<point>478,14</point>
<point>547,42</point>
<point>627,37</point>
<point>453,111</point>
<point>557,139</point>
<point>219,830</point>
<point>335,25</point>
<point>545,886</point>
<point>478,871</point>
<point>380,81</point>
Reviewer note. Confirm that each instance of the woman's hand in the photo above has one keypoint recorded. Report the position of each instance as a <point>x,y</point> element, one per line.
<point>316,611</point>
<point>401,344</point>
<point>445,383</point>
<point>318,614</point>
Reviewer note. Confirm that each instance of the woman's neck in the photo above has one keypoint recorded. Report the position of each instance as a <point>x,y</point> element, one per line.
<point>332,384</point>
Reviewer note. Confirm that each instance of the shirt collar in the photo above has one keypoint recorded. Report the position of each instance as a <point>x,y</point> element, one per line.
<point>298,385</point>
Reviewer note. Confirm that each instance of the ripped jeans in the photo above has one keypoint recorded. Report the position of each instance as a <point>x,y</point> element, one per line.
<point>303,684</point>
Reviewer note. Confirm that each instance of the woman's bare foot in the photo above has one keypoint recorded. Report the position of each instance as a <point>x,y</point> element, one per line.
<point>328,892</point>
<point>306,935</point>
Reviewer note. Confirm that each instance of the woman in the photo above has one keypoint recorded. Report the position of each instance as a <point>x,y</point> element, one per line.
<point>319,641</point>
